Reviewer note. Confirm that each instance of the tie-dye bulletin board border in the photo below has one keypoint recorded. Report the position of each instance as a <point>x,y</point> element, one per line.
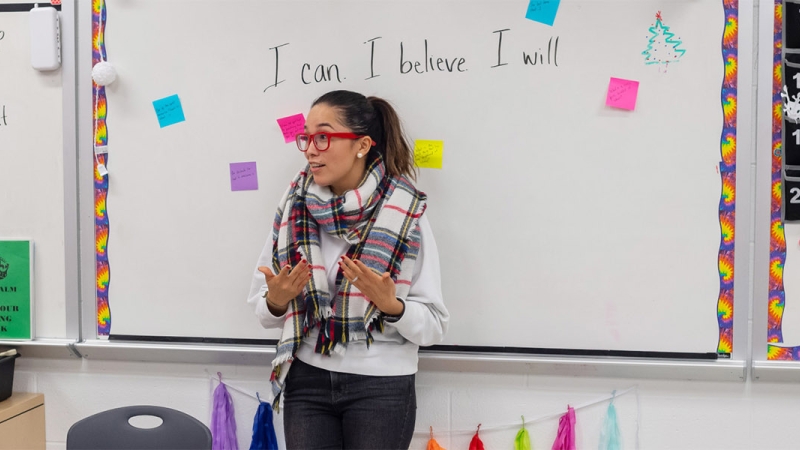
<point>727,204</point>
<point>100,181</point>
<point>777,237</point>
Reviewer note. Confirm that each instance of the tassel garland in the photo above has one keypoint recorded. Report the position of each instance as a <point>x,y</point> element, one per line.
<point>223,426</point>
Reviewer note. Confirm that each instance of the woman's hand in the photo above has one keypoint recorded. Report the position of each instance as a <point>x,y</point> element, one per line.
<point>286,285</point>
<point>379,289</point>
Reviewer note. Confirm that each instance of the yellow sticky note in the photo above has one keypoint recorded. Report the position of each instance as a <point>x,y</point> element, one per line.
<point>428,154</point>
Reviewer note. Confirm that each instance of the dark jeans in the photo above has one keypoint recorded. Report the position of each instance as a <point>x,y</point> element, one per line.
<point>327,410</point>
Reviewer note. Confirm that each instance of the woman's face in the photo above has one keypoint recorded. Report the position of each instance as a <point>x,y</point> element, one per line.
<point>338,167</point>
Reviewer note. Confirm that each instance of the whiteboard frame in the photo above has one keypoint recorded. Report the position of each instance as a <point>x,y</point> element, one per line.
<point>745,177</point>
<point>69,77</point>
<point>761,368</point>
<point>763,185</point>
<point>88,345</point>
<point>85,171</point>
<point>720,370</point>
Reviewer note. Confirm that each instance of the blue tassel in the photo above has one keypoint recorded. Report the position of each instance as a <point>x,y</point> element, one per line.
<point>263,429</point>
<point>609,436</point>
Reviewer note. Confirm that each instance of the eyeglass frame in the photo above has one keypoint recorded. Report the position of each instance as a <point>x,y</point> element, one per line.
<point>311,140</point>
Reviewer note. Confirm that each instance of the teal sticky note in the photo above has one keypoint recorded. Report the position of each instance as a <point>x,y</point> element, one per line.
<point>543,11</point>
<point>169,110</point>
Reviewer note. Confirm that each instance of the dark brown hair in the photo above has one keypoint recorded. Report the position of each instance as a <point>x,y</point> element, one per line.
<point>376,118</point>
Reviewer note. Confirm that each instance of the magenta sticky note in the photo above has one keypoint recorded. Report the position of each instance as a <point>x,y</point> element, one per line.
<point>622,93</point>
<point>291,126</point>
<point>244,176</point>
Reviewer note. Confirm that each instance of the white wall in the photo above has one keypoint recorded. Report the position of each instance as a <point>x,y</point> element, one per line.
<point>674,414</point>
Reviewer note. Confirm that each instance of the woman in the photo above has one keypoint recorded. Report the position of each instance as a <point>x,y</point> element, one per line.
<point>351,274</point>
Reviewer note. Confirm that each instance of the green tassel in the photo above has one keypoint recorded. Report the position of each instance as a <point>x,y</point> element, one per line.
<point>522,441</point>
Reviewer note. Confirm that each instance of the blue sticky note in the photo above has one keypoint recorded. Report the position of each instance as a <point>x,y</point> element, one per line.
<point>169,110</point>
<point>543,11</point>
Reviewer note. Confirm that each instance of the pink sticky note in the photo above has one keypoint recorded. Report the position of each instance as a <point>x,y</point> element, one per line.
<point>291,126</point>
<point>622,93</point>
<point>244,176</point>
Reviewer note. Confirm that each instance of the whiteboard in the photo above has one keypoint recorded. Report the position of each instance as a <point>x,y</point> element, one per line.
<point>32,169</point>
<point>560,222</point>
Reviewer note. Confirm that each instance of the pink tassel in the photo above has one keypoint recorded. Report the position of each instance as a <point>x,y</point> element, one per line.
<point>476,443</point>
<point>565,440</point>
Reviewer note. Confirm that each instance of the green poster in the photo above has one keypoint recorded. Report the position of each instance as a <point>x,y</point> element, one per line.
<point>16,302</point>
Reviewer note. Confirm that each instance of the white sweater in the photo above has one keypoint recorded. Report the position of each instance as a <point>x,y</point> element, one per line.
<point>393,352</point>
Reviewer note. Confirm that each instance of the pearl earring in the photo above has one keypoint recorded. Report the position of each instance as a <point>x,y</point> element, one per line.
<point>360,155</point>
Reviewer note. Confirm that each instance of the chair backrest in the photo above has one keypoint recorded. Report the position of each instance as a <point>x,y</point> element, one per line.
<point>110,430</point>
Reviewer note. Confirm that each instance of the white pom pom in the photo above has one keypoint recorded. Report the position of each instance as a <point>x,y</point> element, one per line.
<point>104,73</point>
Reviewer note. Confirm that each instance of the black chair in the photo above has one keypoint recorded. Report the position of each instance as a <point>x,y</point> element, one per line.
<point>110,430</point>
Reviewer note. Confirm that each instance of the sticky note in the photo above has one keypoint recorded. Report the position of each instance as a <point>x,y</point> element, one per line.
<point>622,93</point>
<point>291,126</point>
<point>244,176</point>
<point>428,154</point>
<point>543,11</point>
<point>169,111</point>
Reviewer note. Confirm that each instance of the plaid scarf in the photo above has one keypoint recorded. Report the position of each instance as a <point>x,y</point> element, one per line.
<point>380,221</point>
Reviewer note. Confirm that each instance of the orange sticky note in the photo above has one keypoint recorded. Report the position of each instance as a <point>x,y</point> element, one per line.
<point>428,154</point>
<point>622,93</point>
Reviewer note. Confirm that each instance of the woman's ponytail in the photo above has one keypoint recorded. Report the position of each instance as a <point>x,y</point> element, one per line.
<point>397,152</point>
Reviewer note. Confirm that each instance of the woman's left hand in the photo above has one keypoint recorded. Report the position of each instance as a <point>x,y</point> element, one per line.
<point>379,289</point>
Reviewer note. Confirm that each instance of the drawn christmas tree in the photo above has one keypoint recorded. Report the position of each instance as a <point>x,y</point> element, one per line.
<point>663,47</point>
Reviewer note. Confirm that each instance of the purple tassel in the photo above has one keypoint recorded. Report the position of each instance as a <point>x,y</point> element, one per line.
<point>223,423</point>
<point>565,440</point>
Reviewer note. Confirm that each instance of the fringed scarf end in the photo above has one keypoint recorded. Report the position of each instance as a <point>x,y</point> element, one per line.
<point>278,361</point>
<point>276,404</point>
<point>326,312</point>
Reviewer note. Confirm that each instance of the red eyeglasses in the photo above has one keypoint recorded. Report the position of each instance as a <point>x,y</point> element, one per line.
<point>322,141</point>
